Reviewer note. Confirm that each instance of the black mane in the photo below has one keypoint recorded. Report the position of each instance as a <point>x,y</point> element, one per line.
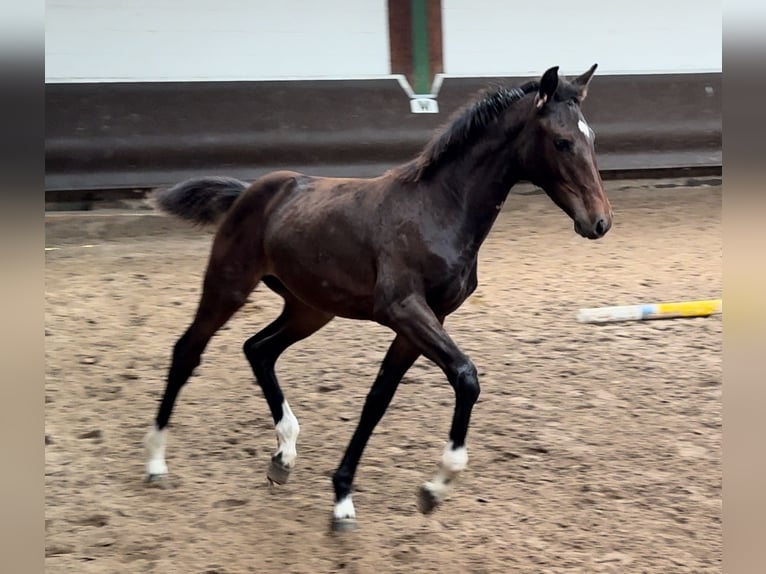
<point>467,125</point>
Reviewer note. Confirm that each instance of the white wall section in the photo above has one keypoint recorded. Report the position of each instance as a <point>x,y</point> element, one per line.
<point>174,40</point>
<point>514,37</point>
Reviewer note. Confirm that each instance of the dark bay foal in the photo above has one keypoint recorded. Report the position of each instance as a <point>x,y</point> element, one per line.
<point>400,249</point>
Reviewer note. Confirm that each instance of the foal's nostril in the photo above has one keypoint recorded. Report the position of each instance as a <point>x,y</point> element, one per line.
<point>601,226</point>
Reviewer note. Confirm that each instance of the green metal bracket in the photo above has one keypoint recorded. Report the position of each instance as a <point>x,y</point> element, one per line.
<point>420,51</point>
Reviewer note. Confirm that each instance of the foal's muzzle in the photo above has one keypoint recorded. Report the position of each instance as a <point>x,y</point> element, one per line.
<point>595,229</point>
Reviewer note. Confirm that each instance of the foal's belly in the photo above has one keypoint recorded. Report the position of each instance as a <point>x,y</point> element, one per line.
<point>332,293</point>
<point>338,278</point>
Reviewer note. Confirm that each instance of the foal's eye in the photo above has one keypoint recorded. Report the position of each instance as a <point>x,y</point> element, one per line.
<point>562,144</point>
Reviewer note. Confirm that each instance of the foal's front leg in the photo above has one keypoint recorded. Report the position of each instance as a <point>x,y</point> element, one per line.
<point>412,318</point>
<point>399,358</point>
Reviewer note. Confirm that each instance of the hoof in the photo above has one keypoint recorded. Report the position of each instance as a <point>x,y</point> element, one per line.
<point>343,524</point>
<point>278,473</point>
<point>157,480</point>
<point>427,500</point>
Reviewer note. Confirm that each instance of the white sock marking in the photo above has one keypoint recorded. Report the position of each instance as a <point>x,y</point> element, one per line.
<point>454,461</point>
<point>288,430</point>
<point>344,509</point>
<point>154,442</point>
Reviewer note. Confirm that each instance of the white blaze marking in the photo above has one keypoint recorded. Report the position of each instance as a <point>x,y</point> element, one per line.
<point>287,435</point>
<point>584,128</point>
<point>154,442</point>
<point>344,509</point>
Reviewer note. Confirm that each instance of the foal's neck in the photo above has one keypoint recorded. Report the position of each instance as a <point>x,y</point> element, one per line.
<point>477,184</point>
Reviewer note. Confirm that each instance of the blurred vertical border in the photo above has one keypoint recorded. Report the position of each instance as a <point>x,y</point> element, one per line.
<point>22,130</point>
<point>744,151</point>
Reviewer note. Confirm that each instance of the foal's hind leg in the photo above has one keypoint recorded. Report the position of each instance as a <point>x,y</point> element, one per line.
<point>296,322</point>
<point>220,300</point>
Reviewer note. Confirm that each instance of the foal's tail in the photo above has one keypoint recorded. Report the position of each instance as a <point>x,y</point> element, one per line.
<point>202,200</point>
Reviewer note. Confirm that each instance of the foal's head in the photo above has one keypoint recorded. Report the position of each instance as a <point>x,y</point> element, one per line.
<point>557,153</point>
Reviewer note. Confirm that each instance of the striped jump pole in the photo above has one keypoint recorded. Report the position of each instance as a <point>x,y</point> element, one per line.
<point>650,311</point>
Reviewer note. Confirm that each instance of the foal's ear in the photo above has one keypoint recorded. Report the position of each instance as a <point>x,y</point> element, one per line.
<point>548,84</point>
<point>581,82</point>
